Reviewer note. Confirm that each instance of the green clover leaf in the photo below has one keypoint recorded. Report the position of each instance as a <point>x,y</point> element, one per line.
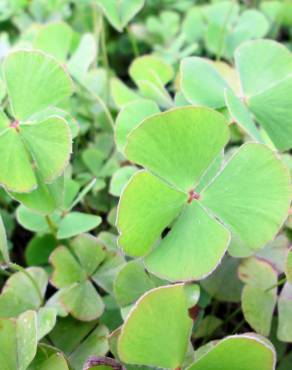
<point>130,116</point>
<point>131,282</point>
<point>120,12</point>
<point>240,352</point>
<point>18,341</point>
<point>48,358</point>
<point>64,225</point>
<point>151,73</point>
<point>259,295</point>
<point>72,274</point>
<point>55,39</point>
<point>76,272</point>
<point>178,151</point>
<point>34,82</point>
<point>223,284</point>
<point>25,290</point>
<point>158,327</point>
<point>222,28</point>
<point>19,294</point>
<point>268,82</point>
<point>79,340</point>
<point>33,150</point>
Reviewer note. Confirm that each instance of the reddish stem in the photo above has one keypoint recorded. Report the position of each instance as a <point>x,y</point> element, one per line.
<point>193,196</point>
<point>15,124</point>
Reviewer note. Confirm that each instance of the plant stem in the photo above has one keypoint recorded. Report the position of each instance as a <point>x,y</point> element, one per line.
<point>222,35</point>
<point>238,326</point>
<point>51,225</point>
<point>232,315</point>
<point>97,25</point>
<point>82,194</point>
<point>4,272</point>
<point>279,20</point>
<point>105,57</point>
<point>16,267</point>
<point>212,313</point>
<point>257,3</point>
<point>279,283</point>
<point>133,42</point>
<point>104,108</point>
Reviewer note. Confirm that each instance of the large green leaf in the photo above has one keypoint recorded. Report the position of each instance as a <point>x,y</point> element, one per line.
<point>151,74</point>
<point>69,332</point>
<point>120,178</point>
<point>67,270</point>
<point>72,272</point>
<point>43,147</point>
<point>237,195</point>
<point>178,145</point>
<point>131,282</point>
<point>120,12</point>
<point>53,362</point>
<point>80,340</point>
<point>259,295</point>
<point>16,172</point>
<point>242,352</point>
<point>130,116</point>
<point>95,344</point>
<point>273,111</point>
<point>83,57</point>
<point>75,223</point>
<point>157,330</point>
<point>33,221</point>
<point>201,83</point>
<point>39,248</point>
<point>121,93</point>
<point>251,24</point>
<point>46,317</point>
<point>49,144</point>
<point>82,301</point>
<point>55,39</point>
<point>184,254</point>
<point>273,64</point>
<point>146,204</point>
<point>151,68</point>
<point>18,341</point>
<point>34,82</point>
<point>223,284</point>
<point>20,294</point>
<point>267,84</point>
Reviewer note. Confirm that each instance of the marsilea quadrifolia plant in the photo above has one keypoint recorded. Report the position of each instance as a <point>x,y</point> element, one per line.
<point>185,171</point>
<point>35,145</point>
<point>261,91</point>
<point>190,203</point>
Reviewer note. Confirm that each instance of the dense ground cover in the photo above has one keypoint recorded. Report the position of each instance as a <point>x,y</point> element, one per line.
<point>145,185</point>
